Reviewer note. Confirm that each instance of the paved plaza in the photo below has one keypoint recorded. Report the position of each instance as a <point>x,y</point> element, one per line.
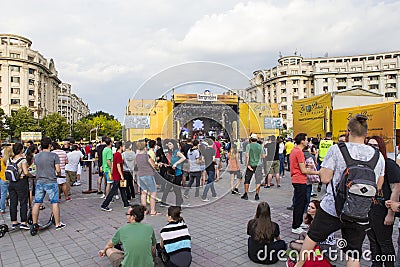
<point>218,229</point>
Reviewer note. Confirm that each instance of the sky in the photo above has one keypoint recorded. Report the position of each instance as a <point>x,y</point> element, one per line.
<point>110,51</point>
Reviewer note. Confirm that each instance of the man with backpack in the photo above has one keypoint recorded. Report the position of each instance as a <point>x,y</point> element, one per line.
<point>348,198</point>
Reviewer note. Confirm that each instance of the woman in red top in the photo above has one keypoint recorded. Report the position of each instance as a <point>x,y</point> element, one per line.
<point>117,176</point>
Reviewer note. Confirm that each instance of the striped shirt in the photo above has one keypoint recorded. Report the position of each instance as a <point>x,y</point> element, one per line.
<point>176,237</point>
<point>62,155</point>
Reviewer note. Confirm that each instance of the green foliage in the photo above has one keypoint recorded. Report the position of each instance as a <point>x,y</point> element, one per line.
<point>55,126</point>
<point>105,123</point>
<point>3,131</point>
<point>21,121</point>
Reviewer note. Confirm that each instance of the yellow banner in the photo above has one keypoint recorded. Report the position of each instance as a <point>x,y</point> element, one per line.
<point>312,115</point>
<point>398,115</point>
<point>253,116</point>
<point>380,121</point>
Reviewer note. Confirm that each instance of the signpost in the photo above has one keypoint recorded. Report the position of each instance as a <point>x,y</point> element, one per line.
<point>34,136</point>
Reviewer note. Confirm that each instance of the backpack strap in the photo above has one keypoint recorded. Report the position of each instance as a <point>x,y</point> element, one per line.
<point>372,162</point>
<point>346,155</point>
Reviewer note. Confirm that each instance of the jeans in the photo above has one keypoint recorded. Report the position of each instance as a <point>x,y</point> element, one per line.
<point>130,189</point>
<point>210,184</point>
<point>281,164</point>
<point>19,192</point>
<point>288,162</point>
<point>194,176</point>
<point>398,251</point>
<point>241,157</point>
<point>3,194</point>
<point>177,190</point>
<point>51,189</point>
<point>309,190</point>
<point>300,201</point>
<point>380,236</point>
<point>113,191</point>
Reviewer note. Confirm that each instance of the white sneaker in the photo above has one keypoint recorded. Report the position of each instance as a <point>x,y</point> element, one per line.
<point>304,226</point>
<point>116,197</point>
<point>103,196</point>
<point>297,231</point>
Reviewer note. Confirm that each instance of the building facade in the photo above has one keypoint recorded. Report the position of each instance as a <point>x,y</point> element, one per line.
<point>27,78</point>
<point>296,77</point>
<point>70,105</point>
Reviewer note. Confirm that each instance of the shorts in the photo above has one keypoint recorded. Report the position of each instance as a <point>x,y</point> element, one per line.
<point>107,176</point>
<point>257,170</point>
<point>353,233</point>
<point>116,258</point>
<point>79,171</point>
<point>147,183</point>
<point>42,189</point>
<point>202,167</point>
<point>271,167</point>
<point>217,160</point>
<point>237,173</point>
<point>61,180</point>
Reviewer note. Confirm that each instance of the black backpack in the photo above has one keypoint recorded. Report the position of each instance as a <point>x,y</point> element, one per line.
<point>356,189</point>
<point>12,174</point>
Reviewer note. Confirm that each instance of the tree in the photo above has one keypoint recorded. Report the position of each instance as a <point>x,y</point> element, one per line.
<point>100,113</point>
<point>55,126</point>
<point>21,121</point>
<point>3,131</point>
<point>82,129</point>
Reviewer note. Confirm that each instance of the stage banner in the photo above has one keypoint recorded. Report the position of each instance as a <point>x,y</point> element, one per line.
<point>312,115</point>
<point>380,121</point>
<point>398,115</point>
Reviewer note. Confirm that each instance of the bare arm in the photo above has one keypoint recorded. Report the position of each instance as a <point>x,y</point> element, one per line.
<point>304,170</point>
<point>102,252</point>
<point>25,169</point>
<point>58,169</point>
<point>326,175</point>
<point>152,164</point>
<point>182,158</point>
<point>389,219</point>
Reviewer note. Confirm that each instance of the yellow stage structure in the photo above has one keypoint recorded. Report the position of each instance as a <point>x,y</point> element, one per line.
<point>164,118</point>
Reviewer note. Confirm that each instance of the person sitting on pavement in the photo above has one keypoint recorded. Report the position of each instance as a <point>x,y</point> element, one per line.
<point>47,165</point>
<point>263,232</point>
<point>137,239</point>
<point>174,248</point>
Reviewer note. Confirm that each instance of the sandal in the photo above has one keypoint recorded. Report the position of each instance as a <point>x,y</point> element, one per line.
<point>42,207</point>
<point>155,214</point>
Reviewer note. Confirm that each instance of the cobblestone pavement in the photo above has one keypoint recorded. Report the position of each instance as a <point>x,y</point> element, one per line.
<point>218,229</point>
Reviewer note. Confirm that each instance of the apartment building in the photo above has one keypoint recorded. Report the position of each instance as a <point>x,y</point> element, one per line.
<point>70,105</point>
<point>296,77</point>
<point>27,78</point>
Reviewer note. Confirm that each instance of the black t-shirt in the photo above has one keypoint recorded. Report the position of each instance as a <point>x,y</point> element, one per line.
<point>99,150</point>
<point>208,155</point>
<point>272,151</point>
<point>392,176</point>
<point>254,246</point>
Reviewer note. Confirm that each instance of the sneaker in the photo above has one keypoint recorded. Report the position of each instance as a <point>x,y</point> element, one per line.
<point>279,185</point>
<point>24,226</point>
<point>314,195</point>
<point>106,209</point>
<point>205,199</point>
<point>2,212</point>
<point>61,226</point>
<point>236,190</point>
<point>15,225</point>
<point>100,192</point>
<point>103,196</point>
<point>290,263</point>
<point>68,199</point>
<point>245,197</point>
<point>297,230</point>
<point>304,226</point>
<point>117,197</point>
<point>267,186</point>
<point>290,208</point>
<point>163,204</point>
<point>214,196</point>
<point>256,197</point>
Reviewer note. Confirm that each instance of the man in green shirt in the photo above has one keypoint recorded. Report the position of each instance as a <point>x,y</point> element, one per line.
<point>254,154</point>
<point>137,239</point>
<point>107,157</point>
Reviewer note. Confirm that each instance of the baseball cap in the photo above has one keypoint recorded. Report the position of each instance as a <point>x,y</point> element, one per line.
<point>253,136</point>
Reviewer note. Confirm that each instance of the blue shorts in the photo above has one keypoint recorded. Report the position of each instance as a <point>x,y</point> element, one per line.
<point>42,189</point>
<point>107,175</point>
<point>147,183</point>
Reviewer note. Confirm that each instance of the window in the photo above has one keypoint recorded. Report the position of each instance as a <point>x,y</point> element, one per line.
<point>283,91</point>
<point>305,90</point>
<point>15,79</point>
<point>284,116</point>
<point>15,68</point>
<point>373,86</point>
<point>31,58</point>
<point>284,99</point>
<point>304,82</point>
<point>303,72</point>
<point>392,66</point>
<point>392,76</point>
<point>295,81</point>
<point>341,87</point>
<point>15,55</point>
<point>31,92</point>
<point>295,97</point>
<point>31,81</point>
<point>31,71</point>
<point>31,104</point>
<point>295,90</point>
<point>373,78</point>
<point>283,83</point>
<point>15,101</point>
<point>312,90</point>
<point>284,107</point>
<point>15,91</point>
<point>325,80</point>
<point>294,71</point>
<point>357,79</point>
<point>390,94</point>
<point>324,69</point>
<point>283,72</point>
<point>341,80</point>
<point>325,88</point>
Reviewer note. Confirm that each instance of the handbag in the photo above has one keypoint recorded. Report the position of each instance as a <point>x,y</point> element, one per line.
<point>122,183</point>
<point>312,178</point>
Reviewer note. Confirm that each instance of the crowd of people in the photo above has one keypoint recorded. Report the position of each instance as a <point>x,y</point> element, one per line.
<point>146,167</point>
